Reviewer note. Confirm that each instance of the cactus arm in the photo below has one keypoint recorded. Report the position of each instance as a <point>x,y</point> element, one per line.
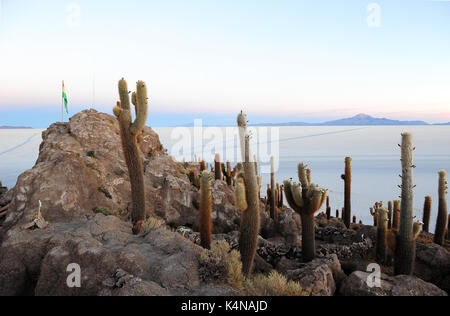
<point>302,176</point>
<point>296,191</point>
<point>289,197</point>
<point>141,108</point>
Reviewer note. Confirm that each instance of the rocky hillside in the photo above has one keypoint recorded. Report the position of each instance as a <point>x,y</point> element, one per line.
<point>82,182</point>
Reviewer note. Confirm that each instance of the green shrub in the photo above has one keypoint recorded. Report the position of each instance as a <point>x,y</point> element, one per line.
<point>103,210</point>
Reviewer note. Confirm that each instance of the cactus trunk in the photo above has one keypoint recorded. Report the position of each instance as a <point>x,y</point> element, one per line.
<point>308,237</point>
<point>441,222</point>
<point>390,214</point>
<point>382,235</point>
<point>347,177</point>
<point>250,204</point>
<point>406,245</point>
<point>272,199</point>
<point>205,214</point>
<point>129,133</point>
<point>427,214</point>
<point>396,215</point>
<point>218,167</point>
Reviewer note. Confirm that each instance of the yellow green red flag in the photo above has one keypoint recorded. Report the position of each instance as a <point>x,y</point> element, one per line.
<point>64,96</point>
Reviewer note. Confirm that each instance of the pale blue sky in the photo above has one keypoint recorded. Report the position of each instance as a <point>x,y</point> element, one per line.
<point>279,60</point>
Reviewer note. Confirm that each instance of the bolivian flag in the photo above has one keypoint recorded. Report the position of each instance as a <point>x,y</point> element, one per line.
<point>64,96</point>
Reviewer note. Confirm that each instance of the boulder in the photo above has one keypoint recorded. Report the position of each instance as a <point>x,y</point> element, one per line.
<point>356,285</point>
<point>433,265</point>
<point>319,277</point>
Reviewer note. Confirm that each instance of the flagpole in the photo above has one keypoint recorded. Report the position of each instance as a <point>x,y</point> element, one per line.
<point>62,106</point>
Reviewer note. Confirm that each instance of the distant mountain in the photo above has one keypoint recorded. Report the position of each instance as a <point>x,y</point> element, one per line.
<point>14,127</point>
<point>358,120</point>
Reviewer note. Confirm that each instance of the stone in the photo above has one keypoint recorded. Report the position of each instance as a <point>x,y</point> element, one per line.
<point>356,285</point>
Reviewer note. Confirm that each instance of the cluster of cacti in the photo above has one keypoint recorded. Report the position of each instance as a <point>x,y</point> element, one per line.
<point>205,214</point>
<point>441,222</point>
<point>382,230</point>
<point>347,177</point>
<point>130,134</point>
<point>306,199</point>
<point>229,173</point>
<point>406,245</point>
<point>427,214</point>
<point>247,199</point>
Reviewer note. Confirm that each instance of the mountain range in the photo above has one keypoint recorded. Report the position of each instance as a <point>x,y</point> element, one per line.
<point>358,120</point>
<point>14,127</point>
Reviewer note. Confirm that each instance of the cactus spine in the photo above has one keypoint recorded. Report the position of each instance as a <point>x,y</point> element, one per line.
<point>347,177</point>
<point>441,222</point>
<point>406,245</point>
<point>130,132</point>
<point>247,192</point>
<point>306,199</point>
<point>382,229</point>
<point>427,214</point>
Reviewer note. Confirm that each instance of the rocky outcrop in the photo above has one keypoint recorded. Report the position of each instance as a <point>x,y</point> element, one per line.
<point>159,263</point>
<point>356,285</point>
<point>81,167</point>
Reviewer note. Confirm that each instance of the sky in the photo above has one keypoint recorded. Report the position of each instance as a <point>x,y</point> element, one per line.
<point>279,60</point>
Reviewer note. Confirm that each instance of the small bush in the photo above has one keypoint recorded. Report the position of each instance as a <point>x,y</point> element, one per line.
<point>221,264</point>
<point>103,210</point>
<point>150,224</point>
<point>275,284</point>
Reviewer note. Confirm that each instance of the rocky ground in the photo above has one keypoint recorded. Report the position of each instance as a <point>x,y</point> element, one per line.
<point>81,179</point>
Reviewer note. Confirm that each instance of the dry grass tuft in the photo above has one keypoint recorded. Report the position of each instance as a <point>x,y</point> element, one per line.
<point>275,284</point>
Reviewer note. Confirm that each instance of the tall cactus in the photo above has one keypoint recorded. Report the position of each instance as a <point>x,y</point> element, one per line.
<point>406,245</point>
<point>390,214</point>
<point>130,132</point>
<point>347,177</point>
<point>306,199</point>
<point>218,167</point>
<point>396,215</point>
<point>382,229</point>
<point>272,198</point>
<point>247,192</point>
<point>328,208</point>
<point>427,214</point>
<point>205,214</point>
<point>441,222</point>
